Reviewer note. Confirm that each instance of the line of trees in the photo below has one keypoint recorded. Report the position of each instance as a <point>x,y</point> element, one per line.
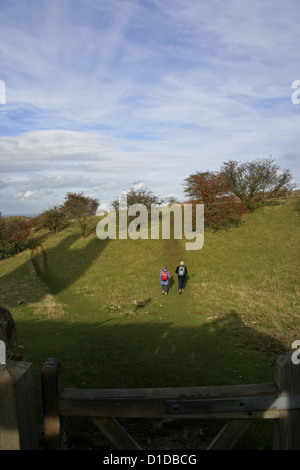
<point>16,232</point>
<point>236,189</point>
<point>226,195</point>
<point>76,206</point>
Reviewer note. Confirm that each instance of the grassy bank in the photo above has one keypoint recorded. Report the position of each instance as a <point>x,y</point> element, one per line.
<point>97,306</point>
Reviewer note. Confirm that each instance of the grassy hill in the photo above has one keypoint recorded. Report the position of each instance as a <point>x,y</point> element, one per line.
<point>97,306</point>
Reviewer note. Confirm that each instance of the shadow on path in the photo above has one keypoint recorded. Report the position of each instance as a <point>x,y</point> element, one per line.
<point>116,354</point>
<point>57,267</point>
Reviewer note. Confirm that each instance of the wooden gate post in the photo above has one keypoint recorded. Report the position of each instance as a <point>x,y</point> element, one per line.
<point>51,388</point>
<point>287,427</point>
<point>18,414</point>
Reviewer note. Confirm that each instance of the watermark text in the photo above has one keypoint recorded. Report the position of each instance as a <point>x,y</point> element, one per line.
<point>296,94</point>
<point>160,223</point>
<point>296,354</point>
<point>2,92</point>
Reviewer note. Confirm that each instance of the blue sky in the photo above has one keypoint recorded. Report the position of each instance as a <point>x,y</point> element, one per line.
<point>101,94</point>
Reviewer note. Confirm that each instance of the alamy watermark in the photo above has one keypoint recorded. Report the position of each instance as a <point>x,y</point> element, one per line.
<point>2,92</point>
<point>296,354</point>
<point>296,95</point>
<point>2,352</point>
<point>160,223</point>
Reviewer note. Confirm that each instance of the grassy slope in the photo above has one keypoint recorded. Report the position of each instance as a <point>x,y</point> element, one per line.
<point>97,306</point>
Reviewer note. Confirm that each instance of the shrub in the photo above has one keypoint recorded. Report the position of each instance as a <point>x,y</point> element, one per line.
<point>14,235</point>
<point>53,219</point>
<point>221,208</point>
<point>255,182</point>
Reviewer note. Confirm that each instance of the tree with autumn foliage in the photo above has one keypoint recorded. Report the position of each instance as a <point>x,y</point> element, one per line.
<point>81,208</point>
<point>220,206</point>
<point>14,235</point>
<point>19,231</point>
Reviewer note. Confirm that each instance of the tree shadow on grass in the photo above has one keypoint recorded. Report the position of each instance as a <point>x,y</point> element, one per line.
<point>153,352</point>
<point>246,337</point>
<point>126,354</point>
<point>57,267</point>
<point>61,266</point>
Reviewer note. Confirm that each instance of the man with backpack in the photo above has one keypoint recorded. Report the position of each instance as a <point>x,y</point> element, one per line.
<point>181,271</point>
<point>164,280</point>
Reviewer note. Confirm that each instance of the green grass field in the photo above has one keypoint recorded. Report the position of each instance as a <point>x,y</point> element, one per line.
<point>97,306</point>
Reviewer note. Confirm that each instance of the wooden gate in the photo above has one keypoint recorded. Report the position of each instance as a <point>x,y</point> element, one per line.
<point>240,404</point>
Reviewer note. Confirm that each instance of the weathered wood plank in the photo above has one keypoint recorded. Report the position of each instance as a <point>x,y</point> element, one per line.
<point>151,403</point>
<point>18,414</point>
<point>51,389</point>
<point>9,433</point>
<point>26,409</point>
<point>219,391</point>
<point>230,434</point>
<point>116,434</point>
<point>287,428</point>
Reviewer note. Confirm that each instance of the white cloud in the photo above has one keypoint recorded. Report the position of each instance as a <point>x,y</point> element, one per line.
<point>101,94</point>
<point>29,194</point>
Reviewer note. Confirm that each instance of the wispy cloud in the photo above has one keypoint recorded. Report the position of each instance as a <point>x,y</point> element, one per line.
<point>100,94</point>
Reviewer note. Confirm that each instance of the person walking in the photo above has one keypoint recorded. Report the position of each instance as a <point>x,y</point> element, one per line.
<point>164,280</point>
<point>181,271</point>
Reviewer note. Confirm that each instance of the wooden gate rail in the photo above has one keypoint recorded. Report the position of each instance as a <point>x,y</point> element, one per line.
<point>279,401</point>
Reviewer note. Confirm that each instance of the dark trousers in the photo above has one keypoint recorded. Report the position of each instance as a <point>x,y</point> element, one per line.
<point>181,281</point>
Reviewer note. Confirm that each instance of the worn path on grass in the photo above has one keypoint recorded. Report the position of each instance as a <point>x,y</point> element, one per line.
<point>174,252</point>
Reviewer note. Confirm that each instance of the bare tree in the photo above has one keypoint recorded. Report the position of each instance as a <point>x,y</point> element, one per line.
<point>255,182</point>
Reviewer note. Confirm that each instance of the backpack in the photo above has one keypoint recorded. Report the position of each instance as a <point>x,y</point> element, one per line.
<point>181,271</point>
<point>164,276</point>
